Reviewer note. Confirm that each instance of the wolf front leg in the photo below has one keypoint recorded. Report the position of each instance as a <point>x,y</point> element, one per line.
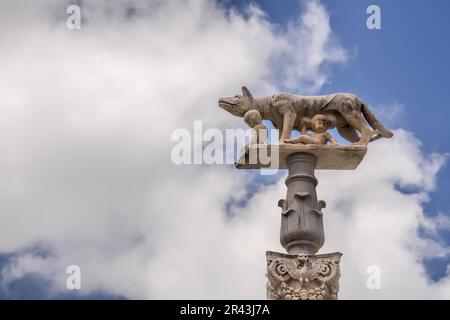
<point>288,124</point>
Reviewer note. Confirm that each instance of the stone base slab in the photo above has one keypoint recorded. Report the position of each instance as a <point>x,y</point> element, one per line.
<point>329,157</point>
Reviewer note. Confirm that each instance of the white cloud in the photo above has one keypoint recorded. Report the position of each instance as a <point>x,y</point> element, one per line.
<point>85,124</point>
<point>439,222</point>
<point>373,223</point>
<point>312,46</point>
<point>392,114</point>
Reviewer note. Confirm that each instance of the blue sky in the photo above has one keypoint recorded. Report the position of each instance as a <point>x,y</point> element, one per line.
<point>406,63</point>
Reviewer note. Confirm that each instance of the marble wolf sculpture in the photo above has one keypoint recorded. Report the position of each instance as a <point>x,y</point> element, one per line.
<point>348,113</point>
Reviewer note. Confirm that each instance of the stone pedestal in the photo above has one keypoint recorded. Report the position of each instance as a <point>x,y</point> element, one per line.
<point>300,274</point>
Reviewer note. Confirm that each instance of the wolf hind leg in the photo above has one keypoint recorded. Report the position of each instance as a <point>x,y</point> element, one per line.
<point>357,122</point>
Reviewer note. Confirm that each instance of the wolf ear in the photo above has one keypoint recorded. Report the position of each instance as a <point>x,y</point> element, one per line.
<point>247,92</point>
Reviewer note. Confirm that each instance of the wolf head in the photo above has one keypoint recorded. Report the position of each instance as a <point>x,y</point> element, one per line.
<point>239,104</point>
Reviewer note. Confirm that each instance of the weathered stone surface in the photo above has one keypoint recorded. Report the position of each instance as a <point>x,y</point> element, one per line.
<point>301,216</point>
<point>329,157</point>
<point>303,277</point>
<point>288,112</point>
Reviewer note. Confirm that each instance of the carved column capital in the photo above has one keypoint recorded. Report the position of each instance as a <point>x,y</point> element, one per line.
<point>303,277</point>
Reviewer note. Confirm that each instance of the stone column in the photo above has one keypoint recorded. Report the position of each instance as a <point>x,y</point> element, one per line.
<point>301,274</point>
<point>301,217</point>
